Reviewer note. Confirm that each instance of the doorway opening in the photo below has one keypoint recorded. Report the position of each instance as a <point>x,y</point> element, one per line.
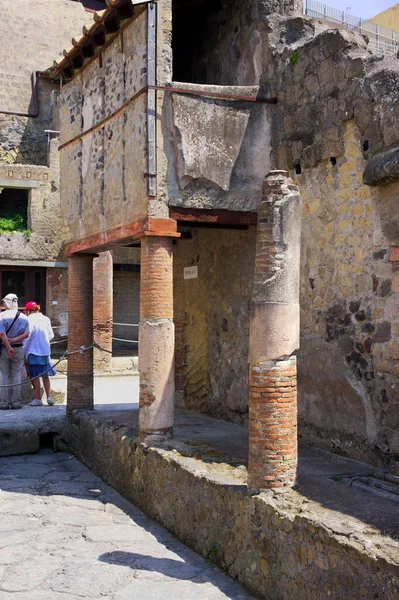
<point>191,32</point>
<point>26,282</point>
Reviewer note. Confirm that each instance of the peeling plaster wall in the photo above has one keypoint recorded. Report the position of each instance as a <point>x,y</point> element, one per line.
<point>212,321</point>
<point>103,181</point>
<point>217,151</point>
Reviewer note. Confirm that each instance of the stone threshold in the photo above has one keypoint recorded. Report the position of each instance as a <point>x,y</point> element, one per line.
<point>321,540</point>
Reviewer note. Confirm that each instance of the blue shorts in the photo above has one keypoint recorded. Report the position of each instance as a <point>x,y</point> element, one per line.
<point>40,366</point>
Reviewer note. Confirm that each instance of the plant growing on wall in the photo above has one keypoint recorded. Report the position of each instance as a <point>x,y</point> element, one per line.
<point>15,219</point>
<point>294,57</point>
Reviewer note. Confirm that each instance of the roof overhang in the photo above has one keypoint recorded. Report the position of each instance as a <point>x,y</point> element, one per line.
<point>105,28</point>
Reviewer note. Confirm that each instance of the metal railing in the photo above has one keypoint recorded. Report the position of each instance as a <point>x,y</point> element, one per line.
<point>382,40</point>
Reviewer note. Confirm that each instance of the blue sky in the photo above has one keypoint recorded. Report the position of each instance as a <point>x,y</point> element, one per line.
<point>361,8</point>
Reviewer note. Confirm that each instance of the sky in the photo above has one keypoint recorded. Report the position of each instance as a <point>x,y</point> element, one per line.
<point>361,8</point>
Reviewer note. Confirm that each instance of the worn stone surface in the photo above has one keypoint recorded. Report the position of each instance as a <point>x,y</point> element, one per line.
<point>299,545</point>
<point>79,538</point>
<point>219,152</point>
<point>20,430</point>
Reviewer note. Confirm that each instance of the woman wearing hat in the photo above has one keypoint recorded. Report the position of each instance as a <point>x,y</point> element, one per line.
<point>37,352</point>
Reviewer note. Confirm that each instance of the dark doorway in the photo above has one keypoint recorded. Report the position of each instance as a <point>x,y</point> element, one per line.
<point>26,282</point>
<point>190,31</point>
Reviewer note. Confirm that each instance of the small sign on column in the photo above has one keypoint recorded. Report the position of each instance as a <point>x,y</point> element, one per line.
<point>190,272</point>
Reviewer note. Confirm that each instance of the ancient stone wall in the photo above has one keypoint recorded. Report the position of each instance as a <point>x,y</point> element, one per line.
<point>212,321</point>
<point>34,33</point>
<point>103,174</point>
<point>279,546</point>
<point>336,112</point>
<point>224,45</point>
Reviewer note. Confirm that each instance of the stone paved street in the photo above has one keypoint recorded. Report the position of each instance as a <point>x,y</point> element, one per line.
<point>65,535</point>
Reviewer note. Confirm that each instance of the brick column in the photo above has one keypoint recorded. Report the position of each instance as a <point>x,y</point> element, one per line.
<point>80,332</point>
<point>156,339</point>
<point>274,337</point>
<point>103,310</point>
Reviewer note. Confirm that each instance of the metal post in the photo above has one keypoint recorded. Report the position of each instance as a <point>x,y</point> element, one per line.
<point>151,99</point>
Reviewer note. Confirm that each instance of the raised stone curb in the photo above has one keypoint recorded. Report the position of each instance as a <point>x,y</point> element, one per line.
<point>279,546</point>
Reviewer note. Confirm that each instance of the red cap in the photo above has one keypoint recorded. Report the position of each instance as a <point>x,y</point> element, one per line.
<point>30,306</point>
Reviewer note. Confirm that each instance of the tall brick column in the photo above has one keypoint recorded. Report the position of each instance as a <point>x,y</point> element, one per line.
<point>274,337</point>
<point>80,332</point>
<point>103,310</point>
<point>156,339</point>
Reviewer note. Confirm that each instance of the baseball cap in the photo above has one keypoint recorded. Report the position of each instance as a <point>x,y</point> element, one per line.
<point>10,297</point>
<point>30,306</point>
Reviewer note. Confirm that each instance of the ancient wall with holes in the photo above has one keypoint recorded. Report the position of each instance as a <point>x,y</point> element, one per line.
<point>212,321</point>
<point>350,319</point>
<point>103,174</point>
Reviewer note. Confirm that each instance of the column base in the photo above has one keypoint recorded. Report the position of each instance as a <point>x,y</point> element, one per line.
<point>156,436</point>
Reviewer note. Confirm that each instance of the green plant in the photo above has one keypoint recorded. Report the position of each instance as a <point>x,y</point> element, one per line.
<point>15,220</point>
<point>212,552</point>
<point>294,57</point>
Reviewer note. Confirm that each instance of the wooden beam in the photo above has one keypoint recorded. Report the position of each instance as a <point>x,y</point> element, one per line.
<point>213,216</point>
<point>123,235</point>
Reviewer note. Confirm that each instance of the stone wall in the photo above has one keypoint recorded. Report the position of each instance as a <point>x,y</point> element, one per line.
<point>43,242</point>
<point>331,127</point>
<point>223,45</point>
<point>348,375</point>
<point>212,321</point>
<point>103,177</point>
<point>279,546</point>
<point>35,33</point>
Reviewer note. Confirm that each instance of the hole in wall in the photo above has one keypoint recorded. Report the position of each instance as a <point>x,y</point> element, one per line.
<point>46,440</point>
<point>298,169</point>
<point>366,145</point>
<point>333,161</point>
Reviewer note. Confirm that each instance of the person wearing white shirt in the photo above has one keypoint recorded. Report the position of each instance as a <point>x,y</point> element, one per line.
<point>37,352</point>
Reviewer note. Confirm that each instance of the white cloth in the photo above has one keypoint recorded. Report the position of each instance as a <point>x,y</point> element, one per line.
<point>40,334</point>
<point>11,301</point>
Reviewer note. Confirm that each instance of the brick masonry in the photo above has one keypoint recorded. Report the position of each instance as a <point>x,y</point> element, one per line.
<point>80,392</point>
<point>274,337</point>
<point>273,445</point>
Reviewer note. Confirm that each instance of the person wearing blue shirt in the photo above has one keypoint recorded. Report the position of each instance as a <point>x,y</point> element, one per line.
<point>14,328</point>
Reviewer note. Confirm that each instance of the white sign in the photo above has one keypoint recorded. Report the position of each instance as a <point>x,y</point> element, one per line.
<point>190,272</point>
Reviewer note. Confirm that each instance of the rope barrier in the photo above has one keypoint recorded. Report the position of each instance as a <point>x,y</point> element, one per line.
<point>81,350</point>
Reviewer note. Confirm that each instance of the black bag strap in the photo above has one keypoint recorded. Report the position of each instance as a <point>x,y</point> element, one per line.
<point>15,318</point>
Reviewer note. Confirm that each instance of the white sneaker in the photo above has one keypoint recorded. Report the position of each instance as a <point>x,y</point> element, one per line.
<point>50,401</point>
<point>35,403</point>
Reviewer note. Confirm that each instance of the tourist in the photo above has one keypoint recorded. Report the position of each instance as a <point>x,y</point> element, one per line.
<point>14,328</point>
<point>37,352</point>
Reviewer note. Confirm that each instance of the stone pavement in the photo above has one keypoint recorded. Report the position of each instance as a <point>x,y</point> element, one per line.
<point>65,535</point>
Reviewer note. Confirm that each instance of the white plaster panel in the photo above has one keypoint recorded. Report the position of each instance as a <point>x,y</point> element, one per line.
<point>135,50</point>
